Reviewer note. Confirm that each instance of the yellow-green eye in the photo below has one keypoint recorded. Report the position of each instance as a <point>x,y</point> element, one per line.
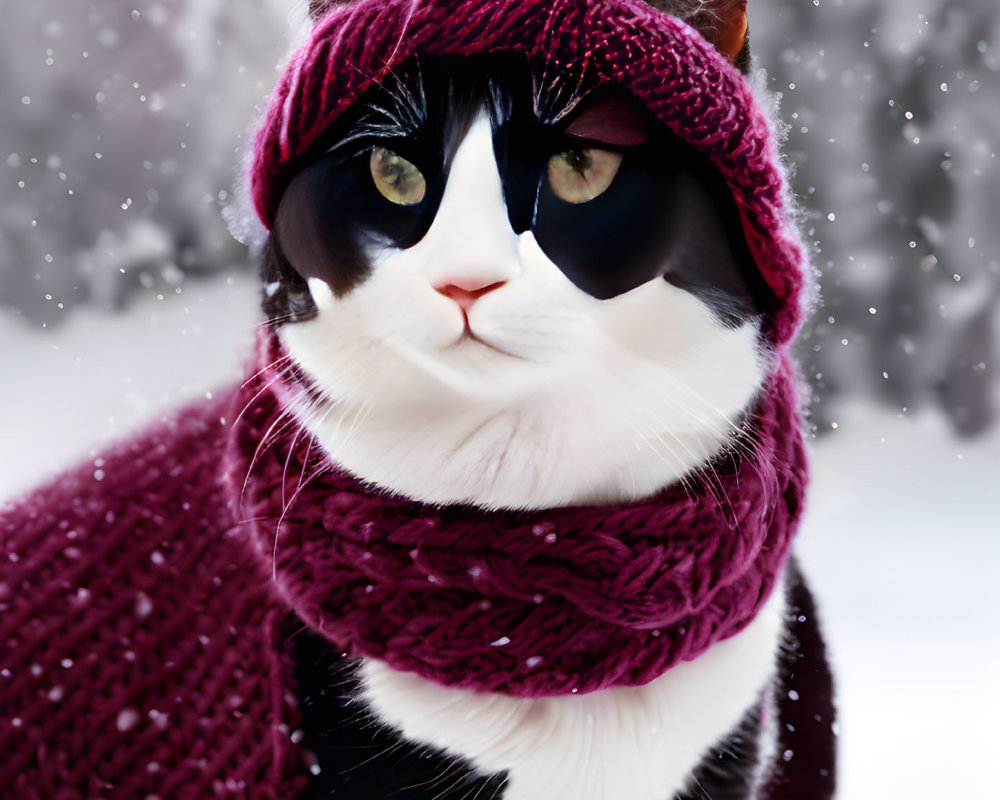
<point>397,179</point>
<point>580,175</point>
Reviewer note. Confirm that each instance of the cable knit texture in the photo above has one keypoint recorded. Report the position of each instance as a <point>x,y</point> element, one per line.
<point>693,90</point>
<point>142,645</point>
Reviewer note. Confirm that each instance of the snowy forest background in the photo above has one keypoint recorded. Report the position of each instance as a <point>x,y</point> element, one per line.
<point>121,291</point>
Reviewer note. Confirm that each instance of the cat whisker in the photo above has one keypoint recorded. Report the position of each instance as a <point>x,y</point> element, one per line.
<point>736,439</point>
<point>704,469</point>
<point>360,415</point>
<point>300,429</point>
<point>444,792</point>
<point>737,431</point>
<point>276,320</point>
<point>268,367</point>
<point>284,513</point>
<point>408,94</point>
<point>556,92</point>
<point>493,795</point>
<point>736,444</point>
<point>395,747</point>
<point>260,393</point>
<point>642,441</point>
<point>448,771</point>
<point>402,33</point>
<point>685,474</point>
<point>283,421</point>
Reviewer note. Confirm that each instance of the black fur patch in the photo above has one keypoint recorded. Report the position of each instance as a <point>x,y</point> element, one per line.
<point>359,759</point>
<point>805,766</point>
<point>727,771</point>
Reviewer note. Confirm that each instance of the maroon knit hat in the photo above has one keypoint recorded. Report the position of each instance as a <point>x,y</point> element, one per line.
<point>692,89</point>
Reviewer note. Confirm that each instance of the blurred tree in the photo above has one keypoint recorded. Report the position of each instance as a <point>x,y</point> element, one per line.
<point>121,130</point>
<point>894,114</point>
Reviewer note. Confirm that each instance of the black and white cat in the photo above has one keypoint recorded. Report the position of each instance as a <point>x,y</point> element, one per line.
<point>498,313</point>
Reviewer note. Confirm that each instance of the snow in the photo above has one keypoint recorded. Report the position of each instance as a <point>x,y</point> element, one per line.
<point>123,128</point>
<point>69,389</point>
<point>900,539</point>
<point>901,545</point>
<point>902,182</point>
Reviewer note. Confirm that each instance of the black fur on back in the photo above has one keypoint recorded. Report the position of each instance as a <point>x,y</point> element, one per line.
<point>803,763</point>
<point>727,771</point>
<point>805,766</point>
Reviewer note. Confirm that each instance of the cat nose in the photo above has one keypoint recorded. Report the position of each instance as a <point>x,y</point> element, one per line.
<point>466,292</point>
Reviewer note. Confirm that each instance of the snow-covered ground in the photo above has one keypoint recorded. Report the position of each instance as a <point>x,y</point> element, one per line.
<point>902,544</point>
<point>65,391</point>
<point>901,539</point>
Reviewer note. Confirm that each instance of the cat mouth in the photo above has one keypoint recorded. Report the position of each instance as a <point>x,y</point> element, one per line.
<point>468,335</point>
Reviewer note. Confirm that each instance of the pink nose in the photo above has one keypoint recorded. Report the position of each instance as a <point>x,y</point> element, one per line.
<point>464,296</point>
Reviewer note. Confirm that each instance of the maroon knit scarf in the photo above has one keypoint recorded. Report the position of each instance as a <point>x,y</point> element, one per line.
<point>526,603</point>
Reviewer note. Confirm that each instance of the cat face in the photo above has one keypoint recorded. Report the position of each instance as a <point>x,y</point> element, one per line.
<point>511,296</point>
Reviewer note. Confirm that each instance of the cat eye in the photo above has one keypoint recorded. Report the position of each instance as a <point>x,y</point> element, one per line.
<point>398,180</point>
<point>582,174</point>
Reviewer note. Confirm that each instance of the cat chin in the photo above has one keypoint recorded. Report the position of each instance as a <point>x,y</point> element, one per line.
<point>591,408</point>
<point>636,742</point>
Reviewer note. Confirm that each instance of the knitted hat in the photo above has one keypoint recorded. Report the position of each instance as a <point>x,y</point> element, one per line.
<point>688,86</point>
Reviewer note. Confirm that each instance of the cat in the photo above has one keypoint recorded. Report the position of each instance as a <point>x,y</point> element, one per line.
<point>495,310</point>
<point>505,505</point>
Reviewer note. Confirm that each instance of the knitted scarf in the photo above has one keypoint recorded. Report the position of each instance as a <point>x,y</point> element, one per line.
<point>533,603</point>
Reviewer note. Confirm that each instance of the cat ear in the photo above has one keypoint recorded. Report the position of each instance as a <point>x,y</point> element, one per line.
<point>317,8</point>
<point>722,22</point>
<point>733,31</point>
